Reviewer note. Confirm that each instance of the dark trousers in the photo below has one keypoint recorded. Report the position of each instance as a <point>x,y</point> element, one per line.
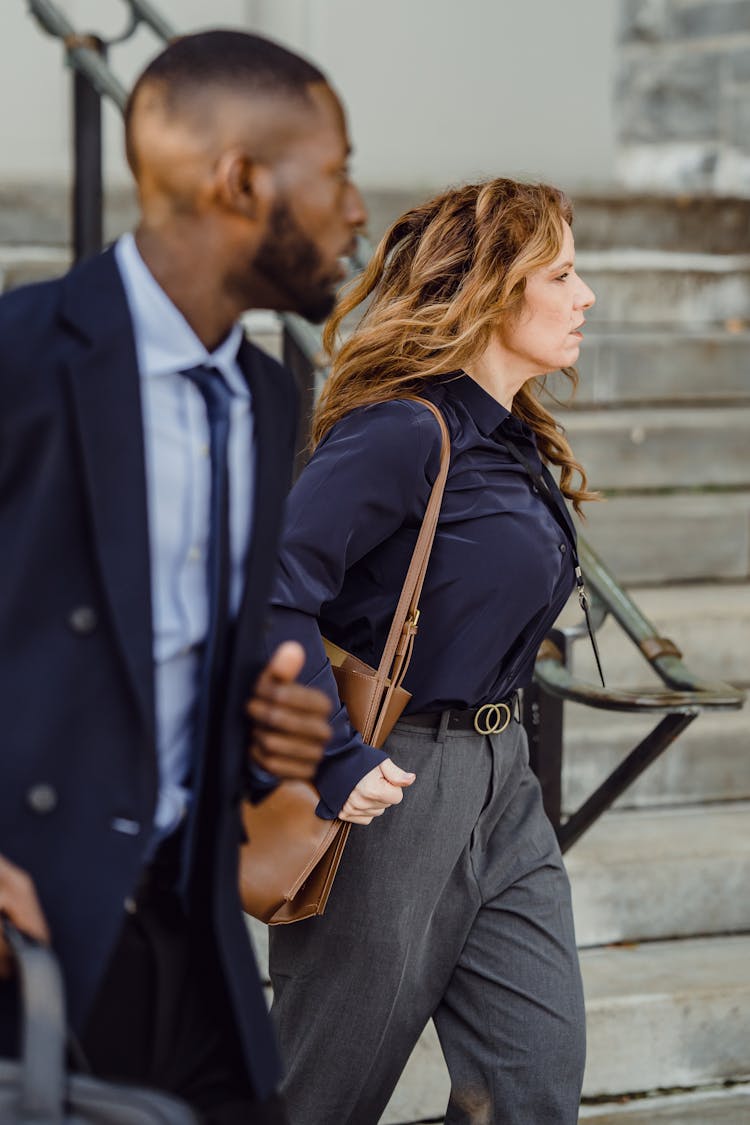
<point>161,1018</point>
<point>454,906</point>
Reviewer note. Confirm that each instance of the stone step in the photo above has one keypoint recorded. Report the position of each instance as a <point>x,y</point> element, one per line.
<point>710,624</point>
<point>629,365</point>
<point>659,1015</point>
<point>689,536</point>
<point>667,1014</point>
<point>634,365</point>
<point>34,212</point>
<point>679,447</point>
<point>727,1106</point>
<point>657,287</point>
<point>709,224</point>
<point>21,265</point>
<point>710,761</point>
<point>651,874</point>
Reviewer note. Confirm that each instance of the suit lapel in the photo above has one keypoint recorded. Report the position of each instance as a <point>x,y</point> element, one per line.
<point>103,377</point>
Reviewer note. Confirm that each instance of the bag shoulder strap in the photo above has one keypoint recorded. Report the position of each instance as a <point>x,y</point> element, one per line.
<point>398,645</point>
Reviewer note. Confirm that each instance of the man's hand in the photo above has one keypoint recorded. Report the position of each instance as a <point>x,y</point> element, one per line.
<point>290,727</point>
<point>377,791</point>
<point>18,900</point>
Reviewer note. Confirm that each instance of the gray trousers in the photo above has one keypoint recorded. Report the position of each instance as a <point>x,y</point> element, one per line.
<point>453,906</point>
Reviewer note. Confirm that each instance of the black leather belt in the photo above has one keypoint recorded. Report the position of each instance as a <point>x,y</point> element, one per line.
<point>490,718</point>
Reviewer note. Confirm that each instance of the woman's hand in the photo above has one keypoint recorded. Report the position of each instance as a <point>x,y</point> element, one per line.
<point>377,791</point>
<point>18,900</point>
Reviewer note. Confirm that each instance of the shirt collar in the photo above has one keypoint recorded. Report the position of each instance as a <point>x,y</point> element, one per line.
<point>164,341</point>
<point>486,412</point>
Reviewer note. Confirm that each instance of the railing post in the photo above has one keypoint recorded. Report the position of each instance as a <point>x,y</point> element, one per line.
<point>88,196</point>
<point>543,720</point>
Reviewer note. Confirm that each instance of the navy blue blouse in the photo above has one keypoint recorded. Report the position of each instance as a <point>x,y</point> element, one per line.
<point>500,570</point>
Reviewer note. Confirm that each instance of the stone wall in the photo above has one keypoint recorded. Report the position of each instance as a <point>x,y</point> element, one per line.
<point>683,96</point>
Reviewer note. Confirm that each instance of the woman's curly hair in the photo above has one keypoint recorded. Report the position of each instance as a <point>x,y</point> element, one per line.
<point>439,283</point>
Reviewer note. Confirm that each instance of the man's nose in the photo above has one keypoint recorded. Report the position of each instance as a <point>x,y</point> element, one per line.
<point>356,213</point>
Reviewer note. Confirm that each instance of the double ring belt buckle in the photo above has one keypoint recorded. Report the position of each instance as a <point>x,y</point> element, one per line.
<point>489,718</point>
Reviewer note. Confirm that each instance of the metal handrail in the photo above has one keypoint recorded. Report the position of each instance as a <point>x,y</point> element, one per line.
<point>82,54</point>
<point>81,50</point>
<point>685,689</point>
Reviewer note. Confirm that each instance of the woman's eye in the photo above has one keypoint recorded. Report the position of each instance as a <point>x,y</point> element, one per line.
<point>562,277</point>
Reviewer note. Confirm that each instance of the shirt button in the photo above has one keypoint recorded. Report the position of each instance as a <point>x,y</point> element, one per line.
<point>563,548</point>
<point>205,451</point>
<point>42,799</point>
<point>130,905</point>
<point>83,619</point>
<point>195,554</point>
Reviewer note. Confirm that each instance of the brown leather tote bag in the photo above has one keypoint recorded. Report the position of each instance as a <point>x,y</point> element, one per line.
<point>291,856</point>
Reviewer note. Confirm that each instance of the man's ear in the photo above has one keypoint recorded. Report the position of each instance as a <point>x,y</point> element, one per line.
<point>244,186</point>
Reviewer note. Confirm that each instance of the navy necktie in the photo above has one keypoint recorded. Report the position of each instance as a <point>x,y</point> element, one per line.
<point>217,397</point>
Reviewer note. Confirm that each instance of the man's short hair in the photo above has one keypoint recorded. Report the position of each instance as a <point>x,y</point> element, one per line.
<point>224,58</point>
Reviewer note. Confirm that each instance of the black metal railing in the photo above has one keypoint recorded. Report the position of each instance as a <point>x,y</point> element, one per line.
<point>684,695</point>
<point>86,55</point>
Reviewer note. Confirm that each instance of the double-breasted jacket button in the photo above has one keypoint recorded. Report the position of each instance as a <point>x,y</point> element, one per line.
<point>83,619</point>
<point>42,798</point>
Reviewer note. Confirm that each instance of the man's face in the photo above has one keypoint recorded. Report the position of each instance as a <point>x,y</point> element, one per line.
<point>313,224</point>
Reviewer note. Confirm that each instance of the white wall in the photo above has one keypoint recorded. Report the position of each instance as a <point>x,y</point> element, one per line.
<point>438,90</point>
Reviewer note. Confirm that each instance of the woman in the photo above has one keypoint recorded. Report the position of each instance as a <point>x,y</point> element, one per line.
<point>456,905</point>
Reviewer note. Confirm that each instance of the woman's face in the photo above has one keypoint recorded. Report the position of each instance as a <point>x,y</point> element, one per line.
<point>547,336</point>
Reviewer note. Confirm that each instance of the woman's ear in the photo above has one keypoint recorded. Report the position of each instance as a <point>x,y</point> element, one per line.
<point>244,186</point>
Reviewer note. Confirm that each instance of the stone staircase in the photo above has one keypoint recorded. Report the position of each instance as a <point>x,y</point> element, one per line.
<point>662,882</point>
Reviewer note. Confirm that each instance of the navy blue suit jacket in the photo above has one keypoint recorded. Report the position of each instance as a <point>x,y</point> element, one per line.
<point>77,757</point>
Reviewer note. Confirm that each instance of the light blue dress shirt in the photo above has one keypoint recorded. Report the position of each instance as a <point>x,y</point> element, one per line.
<point>178,484</point>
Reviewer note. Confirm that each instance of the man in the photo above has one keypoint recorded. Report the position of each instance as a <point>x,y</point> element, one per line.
<point>145,451</point>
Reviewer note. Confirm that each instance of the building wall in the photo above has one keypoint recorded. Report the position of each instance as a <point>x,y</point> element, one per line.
<point>684,96</point>
<point>437,90</point>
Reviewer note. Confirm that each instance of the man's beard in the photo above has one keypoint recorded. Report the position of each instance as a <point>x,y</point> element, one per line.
<point>292,263</point>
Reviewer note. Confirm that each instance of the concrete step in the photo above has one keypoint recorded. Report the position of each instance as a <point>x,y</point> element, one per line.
<point>20,265</point>
<point>659,1015</point>
<point>677,537</point>
<point>651,874</point>
<point>710,623</point>
<point>35,212</point>
<point>657,287</point>
<point>700,223</point>
<point>667,1014</point>
<point>710,761</point>
<point>636,365</point>
<point>727,1106</point>
<point>678,447</point>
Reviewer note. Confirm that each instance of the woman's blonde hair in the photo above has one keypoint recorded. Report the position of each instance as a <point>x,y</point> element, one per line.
<point>439,282</point>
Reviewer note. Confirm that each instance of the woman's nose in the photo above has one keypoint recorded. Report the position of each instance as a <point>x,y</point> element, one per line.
<point>586,297</point>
